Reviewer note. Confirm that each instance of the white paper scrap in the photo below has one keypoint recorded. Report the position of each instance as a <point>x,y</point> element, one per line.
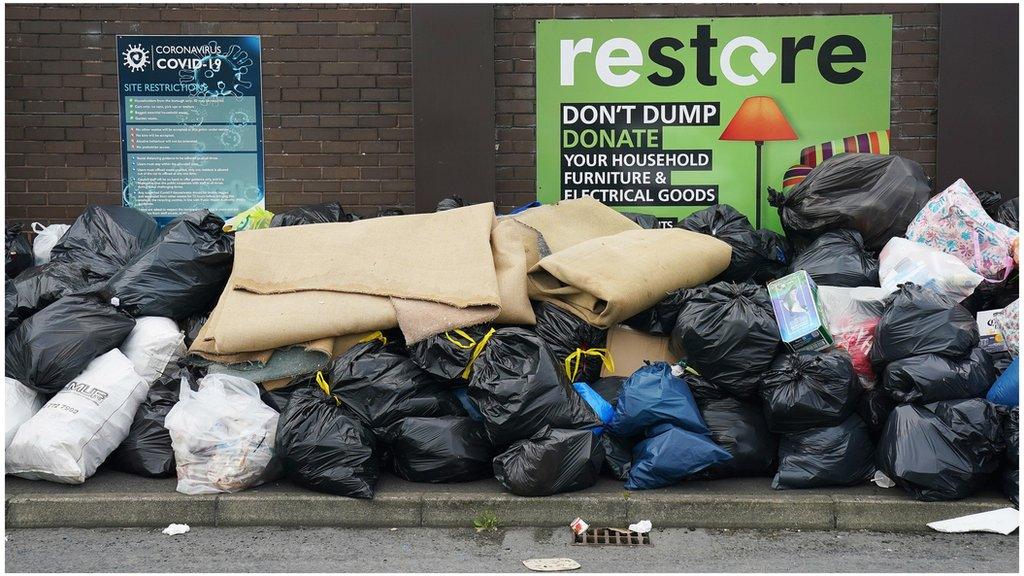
<point>1002,521</point>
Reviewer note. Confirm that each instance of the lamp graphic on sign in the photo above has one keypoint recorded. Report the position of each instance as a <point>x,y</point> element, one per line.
<point>758,120</point>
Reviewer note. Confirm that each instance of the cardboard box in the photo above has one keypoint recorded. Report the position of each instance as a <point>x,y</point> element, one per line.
<point>798,311</point>
<point>629,348</point>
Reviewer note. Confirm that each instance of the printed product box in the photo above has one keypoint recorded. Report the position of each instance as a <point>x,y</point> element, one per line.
<point>801,318</point>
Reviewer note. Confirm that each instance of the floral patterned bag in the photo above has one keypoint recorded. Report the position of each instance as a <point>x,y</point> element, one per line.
<point>955,222</point>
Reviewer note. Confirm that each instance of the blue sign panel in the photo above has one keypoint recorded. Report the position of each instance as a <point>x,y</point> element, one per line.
<point>191,124</point>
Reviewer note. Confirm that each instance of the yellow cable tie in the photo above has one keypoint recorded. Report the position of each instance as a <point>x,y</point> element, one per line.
<point>378,335</point>
<point>463,334</point>
<point>572,361</point>
<point>476,353</point>
<point>322,383</point>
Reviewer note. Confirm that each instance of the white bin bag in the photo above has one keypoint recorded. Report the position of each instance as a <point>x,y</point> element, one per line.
<point>46,238</point>
<point>79,427</point>
<point>154,343</point>
<point>903,260</point>
<point>223,436</point>
<point>22,403</point>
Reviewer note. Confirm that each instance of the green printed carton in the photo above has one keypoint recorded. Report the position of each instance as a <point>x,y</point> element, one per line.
<point>802,321</point>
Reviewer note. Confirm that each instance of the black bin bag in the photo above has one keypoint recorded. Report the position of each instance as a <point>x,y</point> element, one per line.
<point>1007,214</point>
<point>918,321</point>
<point>831,456</point>
<point>758,256</point>
<point>577,345</point>
<point>441,449</point>
<point>645,221</point>
<point>381,385</point>
<point>738,427</point>
<point>310,214</point>
<point>944,450</point>
<point>180,274</point>
<point>877,195</point>
<point>809,390</point>
<point>520,387</point>
<point>55,345</point>
<point>728,333</point>
<point>324,447</point>
<point>932,378</point>
<point>448,355</point>
<point>18,255</point>
<point>838,258</point>
<point>104,239</point>
<point>1010,475</point>
<point>874,406</point>
<point>40,286</point>
<point>552,461</point>
<point>618,450</point>
<point>147,449</point>
<point>660,318</point>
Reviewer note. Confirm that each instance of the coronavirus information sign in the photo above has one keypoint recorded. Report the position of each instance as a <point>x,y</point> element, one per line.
<point>633,112</point>
<point>191,124</point>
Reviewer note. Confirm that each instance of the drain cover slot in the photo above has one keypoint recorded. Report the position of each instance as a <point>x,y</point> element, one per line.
<point>611,537</point>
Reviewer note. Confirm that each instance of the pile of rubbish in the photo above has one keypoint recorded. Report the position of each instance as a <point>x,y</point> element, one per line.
<point>544,348</point>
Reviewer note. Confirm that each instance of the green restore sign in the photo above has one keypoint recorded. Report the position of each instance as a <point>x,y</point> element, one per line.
<point>635,112</point>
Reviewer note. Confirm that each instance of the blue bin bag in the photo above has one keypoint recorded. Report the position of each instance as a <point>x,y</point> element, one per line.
<point>670,454</point>
<point>524,207</point>
<point>652,396</point>
<point>462,395</point>
<point>1006,390</point>
<point>601,407</point>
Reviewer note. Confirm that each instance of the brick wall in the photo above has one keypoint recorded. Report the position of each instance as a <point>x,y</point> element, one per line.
<point>915,63</point>
<point>338,97</point>
<point>337,88</point>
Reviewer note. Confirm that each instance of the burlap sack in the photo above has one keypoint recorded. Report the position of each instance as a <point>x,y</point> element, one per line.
<point>606,280</point>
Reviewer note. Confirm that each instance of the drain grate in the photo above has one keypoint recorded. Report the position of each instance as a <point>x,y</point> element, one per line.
<point>611,537</point>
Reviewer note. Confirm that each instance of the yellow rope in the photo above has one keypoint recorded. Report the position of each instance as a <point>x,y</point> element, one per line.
<point>378,335</point>
<point>572,361</point>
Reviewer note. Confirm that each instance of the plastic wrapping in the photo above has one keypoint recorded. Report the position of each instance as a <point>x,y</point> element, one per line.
<point>651,396</point>
<point>551,461</point>
<point>182,273</point>
<point>577,345</point>
<point>838,258</point>
<point>831,456</point>
<point>942,451</point>
<point>903,260</point>
<point>56,344</point>
<point>728,333</point>
<point>739,428</point>
<point>311,214</point>
<point>222,435</point>
<point>18,256</point>
<point>669,454</point>
<point>147,451</point>
<point>441,449</point>
<point>519,387</point>
<point>809,390</point>
<point>1007,322</point>
<point>877,195</point>
<point>931,378</point>
<point>104,239</point>
<point>757,255</point>
<point>918,321</point>
<point>80,426</point>
<point>955,222</point>
<point>46,238</point>
<point>152,345</point>
<point>324,447</point>
<point>21,404</point>
<point>853,315</point>
<point>604,410</point>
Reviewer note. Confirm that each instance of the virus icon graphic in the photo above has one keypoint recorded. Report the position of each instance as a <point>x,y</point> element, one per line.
<point>136,58</point>
<point>230,139</point>
<point>219,74</point>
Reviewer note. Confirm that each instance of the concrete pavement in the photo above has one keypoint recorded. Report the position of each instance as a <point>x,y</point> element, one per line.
<point>337,550</point>
<point>113,499</point>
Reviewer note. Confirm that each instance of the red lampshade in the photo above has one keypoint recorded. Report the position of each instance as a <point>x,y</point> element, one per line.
<point>758,119</point>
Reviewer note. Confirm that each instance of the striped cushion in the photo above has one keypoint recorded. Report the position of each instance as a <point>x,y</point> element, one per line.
<point>794,176</point>
<point>872,143</point>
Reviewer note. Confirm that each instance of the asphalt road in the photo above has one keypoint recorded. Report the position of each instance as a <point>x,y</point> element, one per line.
<point>449,550</point>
